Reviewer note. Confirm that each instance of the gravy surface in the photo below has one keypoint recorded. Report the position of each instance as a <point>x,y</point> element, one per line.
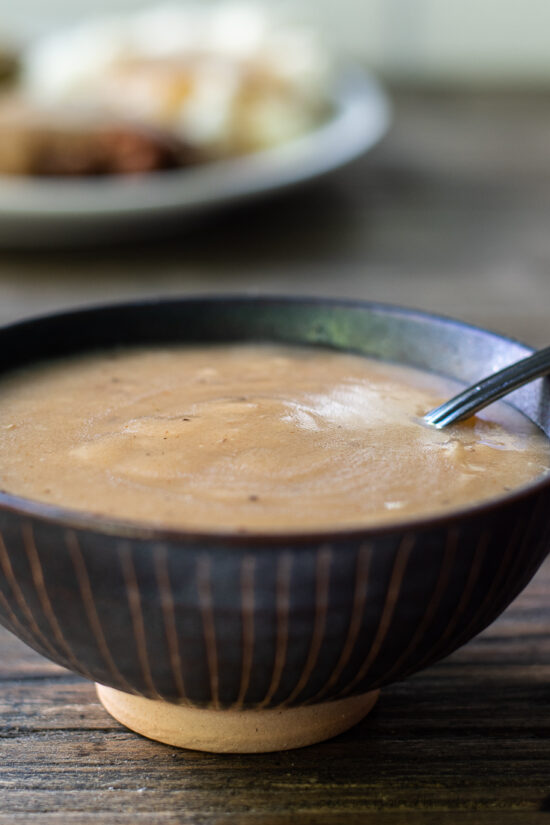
<point>251,437</point>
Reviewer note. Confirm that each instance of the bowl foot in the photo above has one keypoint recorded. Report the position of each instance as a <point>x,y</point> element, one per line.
<point>235,731</point>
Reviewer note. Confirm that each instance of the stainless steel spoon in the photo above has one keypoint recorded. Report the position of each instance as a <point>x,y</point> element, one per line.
<point>490,389</point>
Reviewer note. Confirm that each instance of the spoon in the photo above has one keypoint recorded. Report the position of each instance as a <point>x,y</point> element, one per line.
<point>490,389</point>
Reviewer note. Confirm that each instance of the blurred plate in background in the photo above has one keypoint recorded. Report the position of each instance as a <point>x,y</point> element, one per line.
<point>39,211</point>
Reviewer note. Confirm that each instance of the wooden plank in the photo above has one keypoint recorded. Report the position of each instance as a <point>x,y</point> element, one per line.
<point>298,818</point>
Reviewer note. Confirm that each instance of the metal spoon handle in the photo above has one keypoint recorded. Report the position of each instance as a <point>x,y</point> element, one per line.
<point>490,389</point>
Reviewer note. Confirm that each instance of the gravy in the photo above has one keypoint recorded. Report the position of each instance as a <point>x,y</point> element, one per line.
<point>252,437</point>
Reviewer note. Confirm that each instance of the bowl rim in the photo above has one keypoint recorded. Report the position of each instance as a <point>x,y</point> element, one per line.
<point>71,518</point>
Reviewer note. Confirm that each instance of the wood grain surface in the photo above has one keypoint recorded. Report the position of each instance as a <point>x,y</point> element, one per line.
<point>471,734</point>
<point>451,213</point>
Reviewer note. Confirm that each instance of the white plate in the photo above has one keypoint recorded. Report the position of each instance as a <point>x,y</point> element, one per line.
<point>35,211</point>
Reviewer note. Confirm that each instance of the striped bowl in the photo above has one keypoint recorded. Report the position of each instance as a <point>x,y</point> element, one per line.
<point>262,642</point>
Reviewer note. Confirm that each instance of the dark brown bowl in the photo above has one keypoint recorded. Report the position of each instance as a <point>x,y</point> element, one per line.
<point>259,622</point>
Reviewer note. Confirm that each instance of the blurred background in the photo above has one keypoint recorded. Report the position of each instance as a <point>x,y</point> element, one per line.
<point>474,42</point>
<point>450,212</point>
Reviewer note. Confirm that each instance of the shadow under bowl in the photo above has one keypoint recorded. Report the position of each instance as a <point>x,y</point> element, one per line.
<point>232,642</point>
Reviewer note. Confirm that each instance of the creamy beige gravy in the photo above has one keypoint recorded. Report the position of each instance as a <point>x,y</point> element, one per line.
<point>251,437</point>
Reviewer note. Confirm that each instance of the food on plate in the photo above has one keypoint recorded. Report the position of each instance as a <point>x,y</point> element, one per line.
<point>252,437</point>
<point>35,143</point>
<point>215,81</point>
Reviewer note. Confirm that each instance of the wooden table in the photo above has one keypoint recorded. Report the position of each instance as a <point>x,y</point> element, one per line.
<point>451,213</point>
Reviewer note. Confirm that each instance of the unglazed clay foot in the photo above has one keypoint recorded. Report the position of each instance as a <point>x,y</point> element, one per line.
<point>235,731</point>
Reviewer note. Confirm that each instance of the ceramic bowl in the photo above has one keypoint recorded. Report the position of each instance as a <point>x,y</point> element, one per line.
<point>261,642</point>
